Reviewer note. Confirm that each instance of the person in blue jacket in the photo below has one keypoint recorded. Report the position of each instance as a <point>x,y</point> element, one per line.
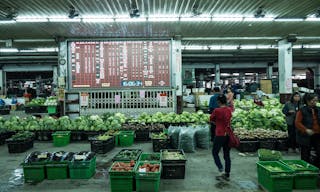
<point>213,104</point>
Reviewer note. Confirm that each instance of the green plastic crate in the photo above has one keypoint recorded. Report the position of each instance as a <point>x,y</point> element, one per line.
<point>126,138</point>
<point>82,169</point>
<point>52,109</point>
<point>150,157</point>
<point>57,171</point>
<point>33,173</point>
<point>147,182</point>
<point>61,138</point>
<point>276,180</point>
<point>306,176</point>
<point>121,181</point>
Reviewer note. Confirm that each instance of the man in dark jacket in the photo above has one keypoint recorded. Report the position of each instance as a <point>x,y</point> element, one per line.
<point>307,123</point>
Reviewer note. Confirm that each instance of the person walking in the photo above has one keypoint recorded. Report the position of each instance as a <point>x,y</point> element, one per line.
<point>213,104</point>
<point>290,109</point>
<point>222,118</point>
<point>308,130</point>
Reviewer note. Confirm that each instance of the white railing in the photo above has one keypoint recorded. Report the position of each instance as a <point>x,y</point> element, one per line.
<point>130,102</point>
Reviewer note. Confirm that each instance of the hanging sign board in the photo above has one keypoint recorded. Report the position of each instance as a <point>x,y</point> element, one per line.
<point>84,99</point>
<point>61,94</point>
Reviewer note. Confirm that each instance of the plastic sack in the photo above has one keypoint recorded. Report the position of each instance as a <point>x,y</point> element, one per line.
<point>187,140</point>
<point>203,136</point>
<point>173,132</point>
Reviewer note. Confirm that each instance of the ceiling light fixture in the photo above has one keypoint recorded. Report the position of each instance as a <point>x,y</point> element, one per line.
<point>195,11</point>
<point>134,19</point>
<point>254,19</point>
<point>163,18</point>
<point>260,13</point>
<point>9,50</point>
<point>73,13</point>
<point>134,11</point>
<point>63,19</point>
<point>32,19</point>
<point>227,19</point>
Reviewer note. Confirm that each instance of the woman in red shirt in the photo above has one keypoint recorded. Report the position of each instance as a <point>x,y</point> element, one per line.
<point>222,118</point>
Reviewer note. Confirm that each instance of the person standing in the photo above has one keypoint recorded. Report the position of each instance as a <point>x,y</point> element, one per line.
<point>213,104</point>
<point>290,109</point>
<point>230,98</point>
<point>222,118</point>
<point>308,130</point>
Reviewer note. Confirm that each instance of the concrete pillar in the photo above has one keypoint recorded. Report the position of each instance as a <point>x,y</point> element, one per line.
<point>285,69</point>
<point>242,78</point>
<point>2,87</point>
<point>63,82</point>
<point>269,72</point>
<point>177,71</point>
<point>217,74</point>
<point>317,76</point>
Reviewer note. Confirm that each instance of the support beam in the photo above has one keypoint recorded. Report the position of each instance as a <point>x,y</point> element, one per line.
<point>285,69</point>
<point>269,71</point>
<point>217,75</point>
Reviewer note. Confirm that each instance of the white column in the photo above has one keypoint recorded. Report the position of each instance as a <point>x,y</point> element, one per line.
<point>63,64</point>
<point>269,72</point>
<point>217,74</point>
<point>242,78</point>
<point>177,66</point>
<point>2,87</point>
<point>285,66</point>
<point>317,76</point>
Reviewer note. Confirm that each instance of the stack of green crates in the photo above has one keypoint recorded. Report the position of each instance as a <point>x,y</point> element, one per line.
<point>61,138</point>
<point>82,169</point>
<point>306,175</point>
<point>121,181</point>
<point>126,138</point>
<point>52,109</point>
<point>147,181</point>
<point>275,176</point>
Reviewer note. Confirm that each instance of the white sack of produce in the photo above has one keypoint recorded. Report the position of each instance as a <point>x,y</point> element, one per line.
<point>187,140</point>
<point>203,136</point>
<point>173,132</point>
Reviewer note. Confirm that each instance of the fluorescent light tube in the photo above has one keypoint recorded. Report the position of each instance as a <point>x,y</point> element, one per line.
<point>7,21</point>
<point>163,19</point>
<point>227,19</point>
<point>32,20</point>
<point>195,19</point>
<point>130,19</point>
<point>97,20</point>
<point>258,19</point>
<point>47,49</point>
<point>9,50</point>
<point>63,19</point>
<point>288,19</point>
<point>312,19</point>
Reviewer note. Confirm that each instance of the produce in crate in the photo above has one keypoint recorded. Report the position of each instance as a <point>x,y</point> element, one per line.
<point>37,157</point>
<point>51,101</point>
<point>103,137</point>
<point>259,133</point>
<point>128,154</point>
<point>161,135</point>
<point>269,155</point>
<point>122,166</point>
<point>168,155</point>
<point>36,102</point>
<point>22,136</point>
<point>148,167</point>
<point>274,168</point>
<point>84,156</point>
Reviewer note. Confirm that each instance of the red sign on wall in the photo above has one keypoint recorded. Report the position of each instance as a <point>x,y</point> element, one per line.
<point>99,64</point>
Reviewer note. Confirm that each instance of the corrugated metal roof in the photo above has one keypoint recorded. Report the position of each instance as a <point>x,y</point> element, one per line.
<point>275,8</point>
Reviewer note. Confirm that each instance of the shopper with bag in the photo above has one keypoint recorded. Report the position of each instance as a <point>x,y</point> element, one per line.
<point>222,118</point>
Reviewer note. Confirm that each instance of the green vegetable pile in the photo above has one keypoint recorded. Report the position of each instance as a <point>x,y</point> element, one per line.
<point>167,155</point>
<point>20,136</point>
<point>161,135</point>
<point>37,102</point>
<point>248,115</point>
<point>269,155</point>
<point>128,154</point>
